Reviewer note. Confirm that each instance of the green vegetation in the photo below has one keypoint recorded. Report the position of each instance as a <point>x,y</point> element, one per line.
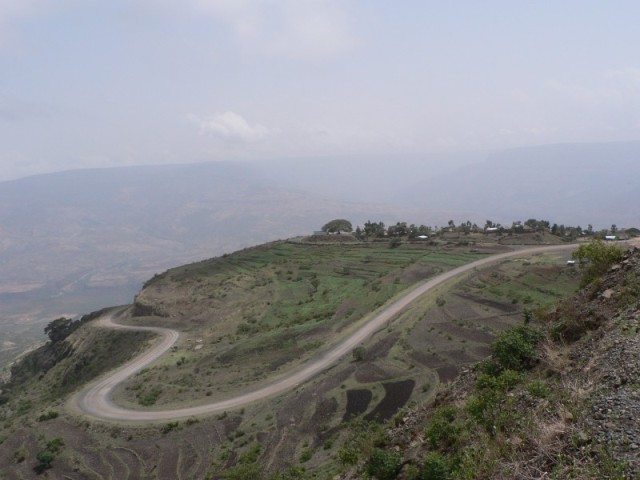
<point>359,353</point>
<point>274,305</point>
<point>337,226</point>
<point>465,440</point>
<point>48,455</point>
<point>515,349</point>
<point>50,415</point>
<point>384,464</point>
<point>595,258</point>
<point>56,369</point>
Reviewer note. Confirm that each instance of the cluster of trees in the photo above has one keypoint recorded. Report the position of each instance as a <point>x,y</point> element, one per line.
<point>372,230</point>
<point>399,230</point>
<point>376,229</point>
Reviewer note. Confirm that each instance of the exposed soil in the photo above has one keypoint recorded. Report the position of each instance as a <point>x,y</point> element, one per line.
<point>370,372</point>
<point>447,373</point>
<point>397,394</point>
<point>357,403</point>
<point>500,306</point>
<point>470,334</point>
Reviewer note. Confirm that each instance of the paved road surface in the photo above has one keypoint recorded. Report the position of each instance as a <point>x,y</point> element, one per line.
<point>95,400</point>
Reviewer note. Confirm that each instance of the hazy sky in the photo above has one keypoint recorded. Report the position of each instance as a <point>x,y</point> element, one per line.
<point>113,82</point>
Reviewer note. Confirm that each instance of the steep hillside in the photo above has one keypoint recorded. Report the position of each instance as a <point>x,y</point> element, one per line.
<point>557,402</point>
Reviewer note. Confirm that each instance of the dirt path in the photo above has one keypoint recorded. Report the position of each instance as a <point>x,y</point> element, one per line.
<point>95,400</point>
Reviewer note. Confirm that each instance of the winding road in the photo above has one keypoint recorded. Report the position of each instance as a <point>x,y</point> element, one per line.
<point>95,399</point>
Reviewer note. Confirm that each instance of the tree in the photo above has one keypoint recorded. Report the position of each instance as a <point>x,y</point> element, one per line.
<point>400,229</point>
<point>595,258</point>
<point>60,328</point>
<point>373,229</point>
<point>338,225</point>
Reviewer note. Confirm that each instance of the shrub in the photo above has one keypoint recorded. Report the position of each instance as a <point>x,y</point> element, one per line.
<point>359,353</point>
<point>243,472</point>
<point>51,414</point>
<point>436,467</point>
<point>168,427</point>
<point>538,389</point>
<point>23,407</point>
<point>306,456</point>
<point>515,349</point>
<point>148,399</point>
<point>486,406</point>
<point>44,458</point>
<point>251,455</point>
<point>20,455</point>
<point>348,455</point>
<point>630,291</point>
<point>595,258</point>
<point>442,431</point>
<point>384,464</point>
<point>55,445</point>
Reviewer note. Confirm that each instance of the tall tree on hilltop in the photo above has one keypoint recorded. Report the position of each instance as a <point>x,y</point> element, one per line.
<point>338,225</point>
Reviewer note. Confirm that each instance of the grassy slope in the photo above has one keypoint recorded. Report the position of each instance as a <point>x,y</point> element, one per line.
<point>252,314</point>
<point>210,301</point>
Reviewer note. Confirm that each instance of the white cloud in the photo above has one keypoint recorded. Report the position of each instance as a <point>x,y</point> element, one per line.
<point>231,126</point>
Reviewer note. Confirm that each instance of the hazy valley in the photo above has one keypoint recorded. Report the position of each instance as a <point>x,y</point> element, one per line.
<point>75,241</point>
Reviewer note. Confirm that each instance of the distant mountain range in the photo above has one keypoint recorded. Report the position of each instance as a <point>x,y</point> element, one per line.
<point>574,184</point>
<point>79,240</point>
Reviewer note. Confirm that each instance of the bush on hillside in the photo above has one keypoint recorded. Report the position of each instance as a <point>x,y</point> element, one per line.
<point>595,258</point>
<point>515,349</point>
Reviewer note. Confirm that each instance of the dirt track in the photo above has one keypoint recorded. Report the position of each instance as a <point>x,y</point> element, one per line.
<point>95,400</point>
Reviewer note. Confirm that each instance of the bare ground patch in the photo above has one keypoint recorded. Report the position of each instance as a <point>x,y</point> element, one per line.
<point>469,334</point>
<point>370,373</point>
<point>447,373</point>
<point>500,306</point>
<point>358,401</point>
<point>397,394</point>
